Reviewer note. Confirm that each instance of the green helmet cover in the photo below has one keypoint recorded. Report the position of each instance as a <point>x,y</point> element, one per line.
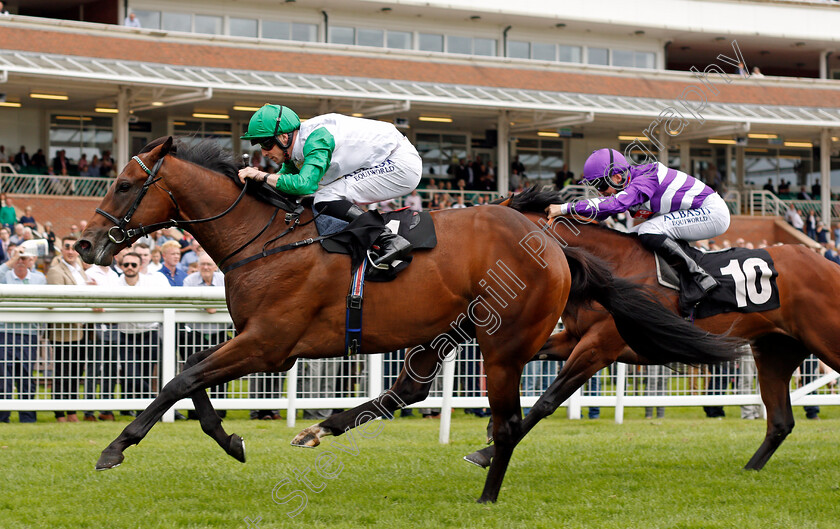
<point>264,123</point>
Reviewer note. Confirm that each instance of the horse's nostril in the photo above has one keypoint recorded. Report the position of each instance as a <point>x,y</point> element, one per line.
<point>83,245</point>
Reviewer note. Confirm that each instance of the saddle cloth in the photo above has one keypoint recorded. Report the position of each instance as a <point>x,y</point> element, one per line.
<point>415,226</point>
<point>747,281</point>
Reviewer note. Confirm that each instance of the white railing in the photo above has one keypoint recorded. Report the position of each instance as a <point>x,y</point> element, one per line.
<point>573,192</point>
<point>764,202</point>
<point>28,184</point>
<point>733,201</point>
<point>101,370</point>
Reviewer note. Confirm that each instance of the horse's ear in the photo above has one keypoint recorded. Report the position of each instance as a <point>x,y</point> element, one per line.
<point>166,147</point>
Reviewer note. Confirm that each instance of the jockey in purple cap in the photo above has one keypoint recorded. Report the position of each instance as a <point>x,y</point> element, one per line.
<point>676,206</point>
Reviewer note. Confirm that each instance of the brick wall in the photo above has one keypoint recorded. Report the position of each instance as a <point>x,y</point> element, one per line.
<point>61,211</point>
<point>756,229</point>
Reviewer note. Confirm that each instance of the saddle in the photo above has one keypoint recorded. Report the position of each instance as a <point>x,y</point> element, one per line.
<point>747,281</point>
<point>415,226</point>
<point>354,239</point>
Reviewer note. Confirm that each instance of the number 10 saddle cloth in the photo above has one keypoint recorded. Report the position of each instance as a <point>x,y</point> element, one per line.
<point>747,281</point>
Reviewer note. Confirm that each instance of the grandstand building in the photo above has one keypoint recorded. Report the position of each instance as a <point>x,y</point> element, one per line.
<point>545,81</point>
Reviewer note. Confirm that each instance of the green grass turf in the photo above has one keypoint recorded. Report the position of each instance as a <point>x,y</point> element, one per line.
<point>681,472</point>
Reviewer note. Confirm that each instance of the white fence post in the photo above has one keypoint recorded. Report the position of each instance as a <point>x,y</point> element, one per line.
<point>620,384</point>
<point>375,369</point>
<point>446,404</point>
<point>168,358</point>
<point>291,394</point>
<point>573,411</point>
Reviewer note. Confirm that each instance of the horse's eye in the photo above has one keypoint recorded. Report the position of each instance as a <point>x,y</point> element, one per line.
<point>123,187</point>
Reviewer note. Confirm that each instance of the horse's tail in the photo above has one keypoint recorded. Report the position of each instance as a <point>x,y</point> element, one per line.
<point>648,327</point>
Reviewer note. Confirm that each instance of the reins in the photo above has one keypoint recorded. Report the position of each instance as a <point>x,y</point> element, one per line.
<point>120,224</point>
<point>292,219</point>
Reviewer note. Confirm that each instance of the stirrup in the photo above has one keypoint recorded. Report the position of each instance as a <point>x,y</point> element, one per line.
<point>372,257</point>
<point>384,262</point>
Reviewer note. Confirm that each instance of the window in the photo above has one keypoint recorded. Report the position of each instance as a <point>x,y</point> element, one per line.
<point>645,59</point>
<point>598,56</point>
<point>544,52</point>
<point>304,32</point>
<point>193,131</point>
<point>455,44</point>
<point>541,158</point>
<point>486,47</point>
<point>208,24</point>
<point>623,58</point>
<point>370,37</point>
<point>430,42</point>
<point>518,49</point>
<point>569,53</point>
<point>342,35</point>
<point>176,22</point>
<point>243,27</point>
<point>148,19</point>
<point>439,151</point>
<point>400,40</point>
<point>77,135</point>
<point>273,29</point>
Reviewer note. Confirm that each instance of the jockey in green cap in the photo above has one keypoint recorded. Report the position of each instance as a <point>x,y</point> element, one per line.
<point>343,160</point>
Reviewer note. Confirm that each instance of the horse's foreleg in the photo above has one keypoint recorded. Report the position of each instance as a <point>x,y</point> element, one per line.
<point>587,359</point>
<point>411,386</point>
<point>776,358</point>
<point>222,365</point>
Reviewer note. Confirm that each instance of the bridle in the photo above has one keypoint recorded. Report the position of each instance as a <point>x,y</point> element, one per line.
<point>292,220</point>
<point>119,233</point>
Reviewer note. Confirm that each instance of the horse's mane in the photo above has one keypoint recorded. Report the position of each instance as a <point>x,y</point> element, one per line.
<point>210,155</point>
<point>535,199</point>
<point>206,153</point>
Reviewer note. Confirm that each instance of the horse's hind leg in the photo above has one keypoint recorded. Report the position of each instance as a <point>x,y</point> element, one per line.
<point>210,421</point>
<point>776,358</point>
<point>223,365</point>
<point>590,355</point>
<point>412,385</point>
<point>503,393</point>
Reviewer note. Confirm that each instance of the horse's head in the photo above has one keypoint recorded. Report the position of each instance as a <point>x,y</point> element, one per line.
<point>132,201</point>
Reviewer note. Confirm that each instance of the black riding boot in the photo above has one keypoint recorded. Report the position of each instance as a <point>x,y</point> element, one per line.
<point>388,246</point>
<point>671,250</point>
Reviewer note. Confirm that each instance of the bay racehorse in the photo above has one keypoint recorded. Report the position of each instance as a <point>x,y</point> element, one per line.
<point>806,322</point>
<point>291,304</point>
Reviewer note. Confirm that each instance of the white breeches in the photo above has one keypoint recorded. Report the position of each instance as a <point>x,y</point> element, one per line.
<point>398,175</point>
<point>711,219</point>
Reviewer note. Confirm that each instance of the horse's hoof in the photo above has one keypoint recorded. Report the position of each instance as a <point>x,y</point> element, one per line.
<point>236,447</point>
<point>478,459</point>
<point>483,499</point>
<point>109,460</point>
<point>306,440</point>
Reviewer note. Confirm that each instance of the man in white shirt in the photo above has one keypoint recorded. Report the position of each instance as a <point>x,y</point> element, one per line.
<point>131,21</point>
<point>139,343</point>
<point>145,253</point>
<point>414,202</point>
<point>19,341</point>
